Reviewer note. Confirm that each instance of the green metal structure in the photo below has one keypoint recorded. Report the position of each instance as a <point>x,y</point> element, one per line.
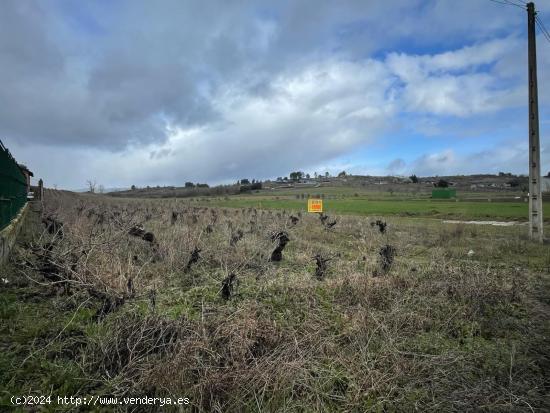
<point>13,187</point>
<point>443,193</point>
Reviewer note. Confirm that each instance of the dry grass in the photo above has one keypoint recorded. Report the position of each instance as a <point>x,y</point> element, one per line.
<point>438,330</point>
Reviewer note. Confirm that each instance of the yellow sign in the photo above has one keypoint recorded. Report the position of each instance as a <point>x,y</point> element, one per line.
<point>314,205</point>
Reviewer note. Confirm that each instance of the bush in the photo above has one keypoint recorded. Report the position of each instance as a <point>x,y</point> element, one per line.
<point>252,187</point>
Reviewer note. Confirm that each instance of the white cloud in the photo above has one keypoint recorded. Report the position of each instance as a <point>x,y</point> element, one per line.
<point>315,115</point>
<point>396,167</point>
<point>435,163</point>
<point>512,156</point>
<point>452,83</point>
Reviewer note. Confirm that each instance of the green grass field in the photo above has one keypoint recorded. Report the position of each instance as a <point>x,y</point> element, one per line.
<point>388,193</point>
<point>363,206</point>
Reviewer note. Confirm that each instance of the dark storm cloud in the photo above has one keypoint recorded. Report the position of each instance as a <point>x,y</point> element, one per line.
<point>135,66</point>
<point>255,86</point>
<point>56,95</point>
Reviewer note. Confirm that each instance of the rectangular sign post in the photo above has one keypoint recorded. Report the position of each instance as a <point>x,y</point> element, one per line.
<point>314,205</point>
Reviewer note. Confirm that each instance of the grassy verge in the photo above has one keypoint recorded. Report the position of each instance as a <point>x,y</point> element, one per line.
<point>415,208</point>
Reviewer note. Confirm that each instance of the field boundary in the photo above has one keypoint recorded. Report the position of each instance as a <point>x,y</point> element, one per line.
<point>9,234</point>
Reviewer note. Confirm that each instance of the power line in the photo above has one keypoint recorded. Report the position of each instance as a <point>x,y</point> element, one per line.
<point>541,25</point>
<point>522,6</point>
<point>522,3</point>
<point>542,28</point>
<point>509,3</point>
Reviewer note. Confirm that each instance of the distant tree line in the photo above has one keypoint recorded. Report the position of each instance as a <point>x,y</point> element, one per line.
<point>182,192</point>
<point>197,185</point>
<point>296,176</point>
<point>245,185</point>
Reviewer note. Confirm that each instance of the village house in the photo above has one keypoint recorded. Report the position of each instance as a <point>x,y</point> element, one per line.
<point>27,173</point>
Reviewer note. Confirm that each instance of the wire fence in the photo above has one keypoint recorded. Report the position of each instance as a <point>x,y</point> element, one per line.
<point>13,187</point>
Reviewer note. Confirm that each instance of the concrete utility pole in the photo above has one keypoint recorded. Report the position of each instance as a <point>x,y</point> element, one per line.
<point>535,194</point>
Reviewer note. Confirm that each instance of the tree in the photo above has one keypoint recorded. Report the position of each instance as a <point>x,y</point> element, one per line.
<point>307,176</point>
<point>251,187</point>
<point>189,185</point>
<point>133,188</point>
<point>296,176</point>
<point>279,179</point>
<point>91,186</point>
<point>245,181</point>
<point>327,174</point>
<point>315,174</point>
<point>442,184</point>
<point>202,185</point>
<point>101,189</point>
<point>414,179</point>
<point>342,174</point>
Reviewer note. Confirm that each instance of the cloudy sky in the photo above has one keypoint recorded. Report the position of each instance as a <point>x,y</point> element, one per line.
<point>163,92</point>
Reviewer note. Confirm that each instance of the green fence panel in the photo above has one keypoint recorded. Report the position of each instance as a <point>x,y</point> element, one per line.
<point>13,187</point>
<point>443,193</point>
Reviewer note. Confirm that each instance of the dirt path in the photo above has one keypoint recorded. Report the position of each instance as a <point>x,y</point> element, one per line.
<point>495,223</point>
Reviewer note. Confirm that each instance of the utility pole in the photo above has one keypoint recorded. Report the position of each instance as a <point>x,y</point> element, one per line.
<point>535,194</point>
